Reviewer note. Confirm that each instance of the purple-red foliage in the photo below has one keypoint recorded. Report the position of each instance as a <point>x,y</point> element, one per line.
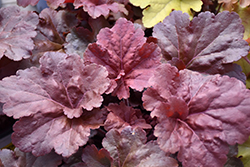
<point>207,44</point>
<point>199,115</point>
<point>57,99</point>
<point>110,97</point>
<point>129,60</point>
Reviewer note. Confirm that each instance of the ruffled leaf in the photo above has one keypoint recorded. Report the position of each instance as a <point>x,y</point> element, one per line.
<point>43,132</point>
<point>62,83</point>
<point>17,28</point>
<point>155,11</point>
<point>51,31</point>
<point>92,157</point>
<point>123,51</point>
<point>129,148</point>
<point>198,115</point>
<point>121,116</point>
<point>18,158</point>
<point>205,44</point>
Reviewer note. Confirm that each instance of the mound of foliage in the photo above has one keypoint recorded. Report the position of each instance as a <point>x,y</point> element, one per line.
<point>108,84</point>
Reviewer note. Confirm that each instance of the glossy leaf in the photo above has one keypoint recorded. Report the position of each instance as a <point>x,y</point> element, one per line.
<point>123,51</point>
<point>155,11</point>
<point>129,148</point>
<point>17,28</point>
<point>206,44</point>
<point>198,115</point>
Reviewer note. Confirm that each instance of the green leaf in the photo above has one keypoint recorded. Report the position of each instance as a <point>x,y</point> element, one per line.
<point>244,152</point>
<point>156,10</point>
<point>244,14</point>
<point>245,68</point>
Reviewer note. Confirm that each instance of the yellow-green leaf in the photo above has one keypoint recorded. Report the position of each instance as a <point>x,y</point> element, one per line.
<point>246,69</point>
<point>244,14</point>
<point>244,152</point>
<point>156,10</point>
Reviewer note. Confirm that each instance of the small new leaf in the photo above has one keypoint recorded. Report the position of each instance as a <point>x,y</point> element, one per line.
<point>129,148</point>
<point>17,28</point>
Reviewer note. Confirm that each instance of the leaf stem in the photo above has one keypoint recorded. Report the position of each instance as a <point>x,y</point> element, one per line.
<point>247,60</point>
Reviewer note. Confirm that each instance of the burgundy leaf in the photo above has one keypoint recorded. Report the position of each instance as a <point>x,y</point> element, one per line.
<point>41,132</point>
<point>61,84</point>
<point>129,148</point>
<point>123,51</point>
<point>17,28</point>
<point>122,116</point>
<point>205,44</point>
<point>55,24</point>
<point>18,158</point>
<point>199,115</point>
<point>51,31</point>
<point>92,157</point>
<point>96,8</point>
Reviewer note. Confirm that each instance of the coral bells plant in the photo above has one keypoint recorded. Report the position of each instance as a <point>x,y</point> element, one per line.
<point>89,85</point>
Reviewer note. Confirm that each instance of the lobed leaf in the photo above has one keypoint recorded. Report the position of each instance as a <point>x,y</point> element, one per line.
<point>129,148</point>
<point>42,132</point>
<point>156,10</point>
<point>18,158</point>
<point>17,28</point>
<point>129,60</point>
<point>206,44</point>
<point>198,114</point>
<point>54,99</point>
<point>62,83</point>
<point>51,30</point>
<point>121,116</point>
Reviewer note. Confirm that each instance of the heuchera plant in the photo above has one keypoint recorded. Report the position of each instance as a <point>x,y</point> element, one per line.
<point>89,85</point>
